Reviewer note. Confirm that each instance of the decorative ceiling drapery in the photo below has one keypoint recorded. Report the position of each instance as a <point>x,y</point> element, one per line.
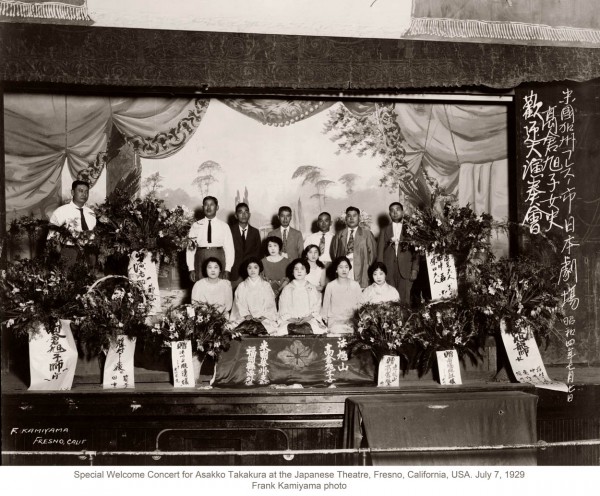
<point>43,132</point>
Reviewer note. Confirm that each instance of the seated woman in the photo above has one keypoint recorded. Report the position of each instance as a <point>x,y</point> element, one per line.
<point>275,265</point>
<point>316,276</point>
<point>342,297</point>
<point>379,291</point>
<point>254,311</point>
<point>211,289</point>
<point>299,303</point>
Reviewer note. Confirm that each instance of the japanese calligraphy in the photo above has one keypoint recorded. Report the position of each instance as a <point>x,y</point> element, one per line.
<point>548,179</point>
<point>442,275</point>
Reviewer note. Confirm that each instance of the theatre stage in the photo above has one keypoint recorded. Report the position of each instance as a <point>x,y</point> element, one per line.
<point>92,419</point>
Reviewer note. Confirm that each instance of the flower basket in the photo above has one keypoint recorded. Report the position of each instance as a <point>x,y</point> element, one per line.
<point>193,333</point>
<point>113,314</point>
<point>386,330</point>
<point>38,301</point>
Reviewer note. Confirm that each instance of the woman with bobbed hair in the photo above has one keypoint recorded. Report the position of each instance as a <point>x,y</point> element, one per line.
<point>211,289</point>
<point>342,297</point>
<point>380,291</point>
<point>300,303</point>
<point>275,265</point>
<point>254,310</point>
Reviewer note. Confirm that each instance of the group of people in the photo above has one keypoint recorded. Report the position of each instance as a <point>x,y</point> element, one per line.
<point>302,286</point>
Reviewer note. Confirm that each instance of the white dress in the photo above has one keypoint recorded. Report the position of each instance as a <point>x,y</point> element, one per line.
<point>219,293</point>
<point>300,299</point>
<point>376,293</point>
<point>315,276</point>
<point>255,298</point>
<point>339,302</point>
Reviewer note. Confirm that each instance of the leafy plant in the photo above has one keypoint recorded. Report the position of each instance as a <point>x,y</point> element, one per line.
<point>204,324</point>
<point>36,295</point>
<point>112,306</point>
<point>141,225</point>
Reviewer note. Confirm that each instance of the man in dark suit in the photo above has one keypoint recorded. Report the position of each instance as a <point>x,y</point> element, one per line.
<point>401,261</point>
<point>356,243</point>
<point>293,244</point>
<point>246,241</point>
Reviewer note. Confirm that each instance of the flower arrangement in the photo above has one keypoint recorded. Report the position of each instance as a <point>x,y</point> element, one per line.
<point>446,325</point>
<point>202,323</point>
<point>36,295</point>
<point>84,241</point>
<point>141,225</point>
<point>519,291</point>
<point>29,226</point>
<point>454,230</point>
<point>112,306</point>
<point>384,329</point>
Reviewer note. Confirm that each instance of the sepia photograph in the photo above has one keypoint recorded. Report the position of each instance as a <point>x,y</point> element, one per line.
<point>300,247</point>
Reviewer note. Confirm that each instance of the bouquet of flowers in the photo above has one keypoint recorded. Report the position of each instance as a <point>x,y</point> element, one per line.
<point>519,291</point>
<point>454,230</point>
<point>112,306</point>
<point>446,325</point>
<point>384,329</point>
<point>141,225</point>
<point>204,324</point>
<point>36,296</point>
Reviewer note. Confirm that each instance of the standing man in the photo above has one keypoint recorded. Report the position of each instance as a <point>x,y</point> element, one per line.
<point>356,243</point>
<point>213,239</point>
<point>323,238</point>
<point>76,216</point>
<point>246,241</point>
<point>401,261</point>
<point>291,238</point>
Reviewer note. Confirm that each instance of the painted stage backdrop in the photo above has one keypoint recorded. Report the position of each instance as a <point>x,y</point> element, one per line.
<point>311,155</point>
<point>304,166</point>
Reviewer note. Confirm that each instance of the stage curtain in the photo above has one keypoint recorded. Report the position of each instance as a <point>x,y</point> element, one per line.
<point>277,112</point>
<point>42,133</point>
<point>157,127</point>
<point>45,132</point>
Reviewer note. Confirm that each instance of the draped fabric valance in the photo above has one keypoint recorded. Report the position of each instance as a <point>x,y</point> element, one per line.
<point>45,132</point>
<point>455,143</point>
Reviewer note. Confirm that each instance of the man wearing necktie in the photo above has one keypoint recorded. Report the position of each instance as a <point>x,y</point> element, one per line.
<point>358,244</point>
<point>246,241</point>
<point>77,217</point>
<point>401,261</point>
<point>213,239</point>
<point>293,244</point>
<point>322,238</point>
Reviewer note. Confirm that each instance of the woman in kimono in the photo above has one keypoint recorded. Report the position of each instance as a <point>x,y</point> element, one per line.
<point>211,289</point>
<point>380,291</point>
<point>254,311</point>
<point>300,303</point>
<point>342,297</point>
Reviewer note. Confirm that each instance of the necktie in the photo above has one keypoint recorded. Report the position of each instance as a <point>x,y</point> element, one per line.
<point>322,244</point>
<point>84,226</point>
<point>209,235</point>
<point>284,250</point>
<point>350,247</point>
<point>244,238</point>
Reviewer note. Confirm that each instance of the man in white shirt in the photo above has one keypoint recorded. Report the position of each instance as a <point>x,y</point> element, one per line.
<point>213,239</point>
<point>76,216</point>
<point>323,238</point>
